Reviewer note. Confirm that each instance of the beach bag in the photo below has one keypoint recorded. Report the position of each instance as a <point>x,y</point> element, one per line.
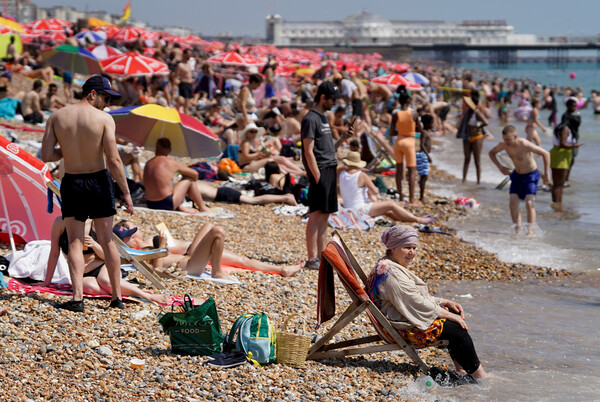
<point>196,330</point>
<point>252,334</point>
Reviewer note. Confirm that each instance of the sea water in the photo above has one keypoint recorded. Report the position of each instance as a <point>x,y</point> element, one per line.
<point>542,337</point>
<point>569,240</point>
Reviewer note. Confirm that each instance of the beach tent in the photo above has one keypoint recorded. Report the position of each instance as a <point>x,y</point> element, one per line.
<point>23,195</point>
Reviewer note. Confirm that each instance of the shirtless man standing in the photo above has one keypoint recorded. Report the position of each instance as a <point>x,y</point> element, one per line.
<point>85,134</point>
<point>31,108</point>
<point>158,181</point>
<point>186,81</point>
<point>525,177</point>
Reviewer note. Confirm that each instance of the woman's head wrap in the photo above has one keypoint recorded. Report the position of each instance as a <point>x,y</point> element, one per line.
<point>399,235</point>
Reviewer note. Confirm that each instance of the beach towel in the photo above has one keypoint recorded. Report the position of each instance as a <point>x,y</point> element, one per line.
<point>24,128</point>
<point>33,261</point>
<point>8,108</point>
<point>216,212</point>
<point>66,290</point>
<point>291,210</point>
<point>207,277</point>
<point>348,218</point>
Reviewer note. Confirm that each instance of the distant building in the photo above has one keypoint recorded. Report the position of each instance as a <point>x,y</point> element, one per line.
<point>366,29</point>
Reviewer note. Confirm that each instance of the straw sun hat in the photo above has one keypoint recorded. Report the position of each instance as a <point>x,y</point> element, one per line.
<point>353,159</point>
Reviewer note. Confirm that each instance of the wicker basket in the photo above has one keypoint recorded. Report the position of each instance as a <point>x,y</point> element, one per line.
<point>292,348</point>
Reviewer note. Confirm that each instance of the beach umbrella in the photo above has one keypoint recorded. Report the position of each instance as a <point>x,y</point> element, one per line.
<point>73,58</point>
<point>128,34</point>
<point>134,64</point>
<point>91,37</point>
<point>235,59</point>
<point>416,77</point>
<point>143,125</point>
<point>23,195</point>
<point>61,22</point>
<point>395,80</point>
<point>110,30</point>
<point>54,36</point>
<point>102,52</point>
<point>12,25</point>
<point>399,67</point>
<point>45,25</point>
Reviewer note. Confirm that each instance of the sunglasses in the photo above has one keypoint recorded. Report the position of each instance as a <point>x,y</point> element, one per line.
<point>252,131</point>
<point>104,95</point>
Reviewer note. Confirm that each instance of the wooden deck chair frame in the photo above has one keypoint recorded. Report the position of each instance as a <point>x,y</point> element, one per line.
<point>380,155</point>
<point>137,262</point>
<point>385,331</point>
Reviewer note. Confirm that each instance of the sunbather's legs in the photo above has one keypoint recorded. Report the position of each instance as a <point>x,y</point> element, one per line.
<point>392,210</point>
<point>269,199</point>
<point>287,166</point>
<point>179,192</point>
<point>101,285</point>
<point>196,196</point>
<point>236,260</point>
<point>103,228</point>
<point>207,246</point>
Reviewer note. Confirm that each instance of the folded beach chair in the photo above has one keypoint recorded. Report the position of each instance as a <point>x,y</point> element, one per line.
<point>138,260</point>
<point>382,160</point>
<point>337,257</point>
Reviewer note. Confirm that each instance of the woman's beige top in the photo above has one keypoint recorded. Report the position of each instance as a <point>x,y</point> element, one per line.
<point>402,296</point>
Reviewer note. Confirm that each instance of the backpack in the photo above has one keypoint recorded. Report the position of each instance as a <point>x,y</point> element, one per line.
<point>252,334</point>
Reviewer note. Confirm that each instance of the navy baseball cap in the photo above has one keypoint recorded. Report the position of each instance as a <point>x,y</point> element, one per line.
<point>122,232</point>
<point>100,83</point>
<point>329,89</point>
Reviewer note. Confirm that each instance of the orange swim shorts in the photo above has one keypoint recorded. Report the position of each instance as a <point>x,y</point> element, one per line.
<point>404,151</point>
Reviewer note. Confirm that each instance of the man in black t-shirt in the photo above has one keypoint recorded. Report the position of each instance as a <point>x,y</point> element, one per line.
<point>319,159</point>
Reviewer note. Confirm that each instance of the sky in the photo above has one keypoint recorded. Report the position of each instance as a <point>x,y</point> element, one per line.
<point>247,17</point>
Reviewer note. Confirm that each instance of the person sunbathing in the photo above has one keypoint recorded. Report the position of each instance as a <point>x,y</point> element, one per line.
<point>360,194</point>
<point>95,276</point>
<point>207,246</point>
<point>231,195</point>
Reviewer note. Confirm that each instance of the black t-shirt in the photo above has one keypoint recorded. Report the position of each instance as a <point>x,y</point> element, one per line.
<point>316,126</point>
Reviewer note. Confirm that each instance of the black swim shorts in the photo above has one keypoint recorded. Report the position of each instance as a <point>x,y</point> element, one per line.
<point>228,194</point>
<point>186,90</point>
<point>165,204</point>
<point>88,195</point>
<point>322,196</point>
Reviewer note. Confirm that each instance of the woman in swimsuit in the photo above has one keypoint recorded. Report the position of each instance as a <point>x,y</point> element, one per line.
<point>208,245</point>
<point>95,276</point>
<point>251,157</point>
<point>246,104</point>
<point>473,142</point>
<point>532,121</point>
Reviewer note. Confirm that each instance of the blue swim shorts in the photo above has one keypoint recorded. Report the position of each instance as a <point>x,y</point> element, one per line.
<point>422,164</point>
<point>524,184</point>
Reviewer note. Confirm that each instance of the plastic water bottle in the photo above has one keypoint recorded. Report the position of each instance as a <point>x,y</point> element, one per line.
<point>426,383</point>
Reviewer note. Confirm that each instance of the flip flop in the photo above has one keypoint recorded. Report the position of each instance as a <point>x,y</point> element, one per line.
<point>430,219</point>
<point>313,264</point>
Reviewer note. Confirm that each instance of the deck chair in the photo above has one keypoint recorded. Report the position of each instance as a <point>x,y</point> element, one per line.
<point>137,261</point>
<point>382,160</point>
<point>338,256</point>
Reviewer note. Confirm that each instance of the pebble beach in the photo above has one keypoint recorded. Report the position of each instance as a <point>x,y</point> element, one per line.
<point>61,355</point>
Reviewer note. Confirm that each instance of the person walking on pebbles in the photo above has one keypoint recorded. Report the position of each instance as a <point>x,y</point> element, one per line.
<point>525,177</point>
<point>319,160</point>
<point>85,134</point>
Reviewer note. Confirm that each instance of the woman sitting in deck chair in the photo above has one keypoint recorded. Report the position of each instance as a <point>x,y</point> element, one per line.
<point>420,318</point>
<point>95,275</point>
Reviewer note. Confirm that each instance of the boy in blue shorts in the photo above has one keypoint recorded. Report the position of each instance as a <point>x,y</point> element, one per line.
<point>423,158</point>
<point>525,176</point>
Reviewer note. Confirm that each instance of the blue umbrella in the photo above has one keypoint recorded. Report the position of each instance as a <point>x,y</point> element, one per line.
<point>91,37</point>
<point>416,77</point>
